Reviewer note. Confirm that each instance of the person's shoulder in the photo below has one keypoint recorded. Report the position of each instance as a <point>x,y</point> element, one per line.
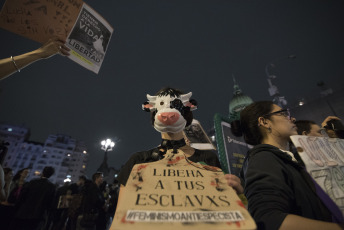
<point>143,152</point>
<point>266,158</point>
<point>264,150</point>
<point>45,181</point>
<point>205,151</point>
<point>142,156</point>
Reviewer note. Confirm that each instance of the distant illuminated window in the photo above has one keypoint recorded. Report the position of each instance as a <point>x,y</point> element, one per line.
<point>84,152</point>
<point>83,166</point>
<point>9,129</point>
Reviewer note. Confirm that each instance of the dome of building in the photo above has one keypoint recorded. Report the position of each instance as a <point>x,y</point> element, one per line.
<point>238,102</point>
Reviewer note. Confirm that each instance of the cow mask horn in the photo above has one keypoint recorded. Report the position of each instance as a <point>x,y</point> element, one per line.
<point>170,110</point>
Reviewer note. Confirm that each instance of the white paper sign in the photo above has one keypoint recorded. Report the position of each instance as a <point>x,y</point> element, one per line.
<point>324,160</point>
<point>89,39</point>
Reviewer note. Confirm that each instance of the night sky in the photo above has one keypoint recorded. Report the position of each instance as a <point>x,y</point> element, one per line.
<point>193,45</point>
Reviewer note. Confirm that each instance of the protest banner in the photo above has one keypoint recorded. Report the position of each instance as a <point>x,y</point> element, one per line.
<point>87,34</point>
<point>232,150</point>
<point>175,193</point>
<point>324,160</point>
<point>197,137</point>
<point>40,20</point>
<point>89,39</point>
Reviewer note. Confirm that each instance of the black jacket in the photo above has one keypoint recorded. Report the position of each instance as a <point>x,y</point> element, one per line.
<point>275,186</point>
<point>36,198</point>
<point>207,156</point>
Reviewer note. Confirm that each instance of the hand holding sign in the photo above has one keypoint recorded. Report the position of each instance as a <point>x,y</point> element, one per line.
<point>52,47</point>
<point>14,64</point>
<point>70,20</point>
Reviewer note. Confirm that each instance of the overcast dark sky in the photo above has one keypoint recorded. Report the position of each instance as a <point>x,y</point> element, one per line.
<point>194,45</point>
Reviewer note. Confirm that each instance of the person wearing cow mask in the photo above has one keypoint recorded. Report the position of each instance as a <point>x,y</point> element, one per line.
<point>171,112</point>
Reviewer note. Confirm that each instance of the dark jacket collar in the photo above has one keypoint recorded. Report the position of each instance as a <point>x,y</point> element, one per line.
<point>268,148</point>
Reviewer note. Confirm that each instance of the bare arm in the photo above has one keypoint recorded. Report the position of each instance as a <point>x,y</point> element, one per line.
<point>297,222</point>
<point>324,123</point>
<point>10,65</point>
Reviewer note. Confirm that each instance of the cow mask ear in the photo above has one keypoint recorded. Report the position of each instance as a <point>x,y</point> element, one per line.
<point>192,103</point>
<point>149,105</point>
<point>185,98</point>
<point>146,106</point>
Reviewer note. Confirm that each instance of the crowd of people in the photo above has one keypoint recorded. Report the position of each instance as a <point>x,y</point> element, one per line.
<point>280,193</point>
<point>40,204</point>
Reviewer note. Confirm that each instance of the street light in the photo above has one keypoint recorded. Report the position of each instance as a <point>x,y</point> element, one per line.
<point>67,179</point>
<point>107,145</point>
<point>273,90</point>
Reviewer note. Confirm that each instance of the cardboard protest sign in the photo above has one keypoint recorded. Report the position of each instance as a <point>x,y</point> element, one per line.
<point>40,20</point>
<point>197,137</point>
<point>324,160</point>
<point>175,193</point>
<point>87,33</point>
<point>89,39</point>
<point>232,150</point>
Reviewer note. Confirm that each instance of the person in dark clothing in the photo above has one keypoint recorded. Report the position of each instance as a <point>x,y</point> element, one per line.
<point>75,205</point>
<point>6,209</point>
<point>171,112</point>
<point>17,184</point>
<point>92,205</point>
<point>280,193</point>
<point>58,215</point>
<point>114,190</point>
<point>34,202</point>
<point>76,187</point>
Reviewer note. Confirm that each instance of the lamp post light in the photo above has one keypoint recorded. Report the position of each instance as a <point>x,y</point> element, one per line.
<point>67,179</point>
<point>107,145</point>
<point>273,90</point>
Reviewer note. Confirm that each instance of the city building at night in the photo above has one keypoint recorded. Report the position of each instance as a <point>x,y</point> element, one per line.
<point>67,155</point>
<point>11,139</point>
<point>238,102</point>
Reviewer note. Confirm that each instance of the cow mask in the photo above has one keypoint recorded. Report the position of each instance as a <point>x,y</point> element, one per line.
<point>170,110</point>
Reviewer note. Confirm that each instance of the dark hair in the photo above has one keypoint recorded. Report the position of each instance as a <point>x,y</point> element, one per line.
<point>102,186</point>
<point>248,125</point>
<point>96,176</point>
<point>169,91</point>
<point>18,174</point>
<point>7,170</point>
<point>48,171</point>
<point>304,126</point>
<point>82,177</point>
<point>188,116</point>
<point>336,126</point>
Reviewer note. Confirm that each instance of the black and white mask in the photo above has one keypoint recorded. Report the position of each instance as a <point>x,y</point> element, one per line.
<point>170,111</point>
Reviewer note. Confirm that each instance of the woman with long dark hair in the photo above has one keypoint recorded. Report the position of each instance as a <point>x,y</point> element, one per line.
<point>17,184</point>
<point>280,193</point>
